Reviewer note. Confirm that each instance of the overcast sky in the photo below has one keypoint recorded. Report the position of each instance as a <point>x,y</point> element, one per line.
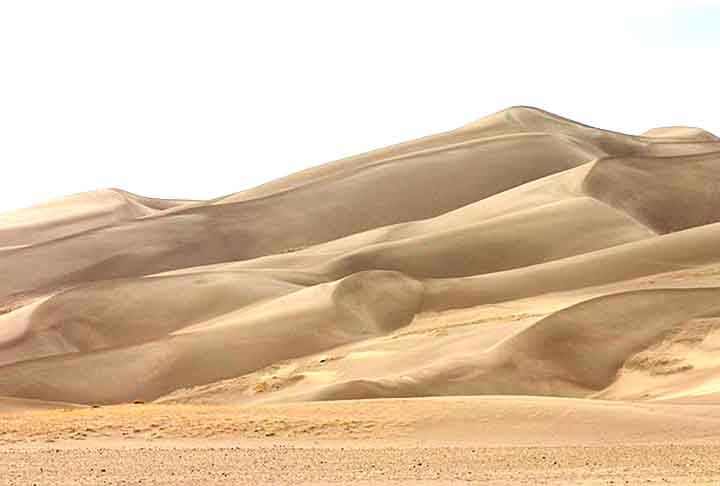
<point>204,98</point>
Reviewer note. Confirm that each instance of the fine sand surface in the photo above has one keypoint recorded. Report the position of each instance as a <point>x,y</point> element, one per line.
<point>500,440</point>
<point>525,299</point>
<point>209,464</point>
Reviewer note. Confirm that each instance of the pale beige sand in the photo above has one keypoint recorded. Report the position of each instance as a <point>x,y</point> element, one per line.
<point>544,282</point>
<point>203,464</point>
<point>489,421</point>
<point>75,214</point>
<point>496,440</point>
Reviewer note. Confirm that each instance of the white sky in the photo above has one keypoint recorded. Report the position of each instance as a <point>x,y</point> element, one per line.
<point>204,98</point>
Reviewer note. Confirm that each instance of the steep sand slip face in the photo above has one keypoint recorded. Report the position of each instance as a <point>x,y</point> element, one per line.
<point>555,188</point>
<point>124,312</point>
<point>666,194</point>
<point>536,218</point>
<point>15,322</point>
<point>574,352</point>
<point>686,249</point>
<point>304,309</point>
<point>541,233</point>
<point>302,323</point>
<point>537,235</point>
<point>661,369</point>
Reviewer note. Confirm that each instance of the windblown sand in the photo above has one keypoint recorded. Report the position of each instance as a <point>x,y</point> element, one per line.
<point>461,307</point>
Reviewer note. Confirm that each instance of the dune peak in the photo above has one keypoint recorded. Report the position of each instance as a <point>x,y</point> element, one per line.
<point>524,254</point>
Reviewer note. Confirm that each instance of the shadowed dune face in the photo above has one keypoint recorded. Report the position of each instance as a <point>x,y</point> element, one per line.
<point>484,247</point>
<point>118,313</point>
<point>388,191</point>
<point>523,254</point>
<point>666,194</point>
<point>572,352</point>
<point>311,320</point>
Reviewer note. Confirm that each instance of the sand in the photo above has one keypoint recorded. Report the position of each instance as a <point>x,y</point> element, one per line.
<point>500,440</point>
<point>493,440</point>
<point>290,465</point>
<point>522,287</point>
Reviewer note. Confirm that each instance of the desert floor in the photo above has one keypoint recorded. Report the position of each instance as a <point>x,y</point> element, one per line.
<point>200,463</point>
<point>493,440</point>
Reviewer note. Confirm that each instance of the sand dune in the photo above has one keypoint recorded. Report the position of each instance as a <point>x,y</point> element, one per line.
<point>75,214</point>
<point>665,193</point>
<point>305,322</point>
<point>684,133</point>
<point>383,193</point>
<point>524,254</point>
<point>118,313</point>
<point>572,352</point>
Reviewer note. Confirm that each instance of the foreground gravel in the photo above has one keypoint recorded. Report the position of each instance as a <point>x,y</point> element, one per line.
<point>666,464</point>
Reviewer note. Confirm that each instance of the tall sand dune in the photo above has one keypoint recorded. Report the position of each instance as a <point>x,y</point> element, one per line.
<point>523,254</point>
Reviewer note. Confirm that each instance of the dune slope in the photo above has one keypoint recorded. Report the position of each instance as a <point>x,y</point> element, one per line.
<point>522,254</point>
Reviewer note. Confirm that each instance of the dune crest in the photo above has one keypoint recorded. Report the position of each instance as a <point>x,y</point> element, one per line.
<point>521,254</point>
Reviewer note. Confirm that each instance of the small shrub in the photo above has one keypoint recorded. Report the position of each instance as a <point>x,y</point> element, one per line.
<point>260,387</point>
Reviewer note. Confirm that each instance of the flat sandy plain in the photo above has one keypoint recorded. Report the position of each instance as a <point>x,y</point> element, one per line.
<point>523,300</point>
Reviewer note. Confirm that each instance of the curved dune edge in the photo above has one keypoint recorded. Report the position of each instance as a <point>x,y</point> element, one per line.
<point>301,323</point>
<point>524,254</point>
<point>573,352</point>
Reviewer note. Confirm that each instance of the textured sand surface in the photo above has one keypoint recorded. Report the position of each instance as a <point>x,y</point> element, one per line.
<point>521,281</point>
<point>500,440</point>
<point>490,420</point>
<point>668,464</point>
